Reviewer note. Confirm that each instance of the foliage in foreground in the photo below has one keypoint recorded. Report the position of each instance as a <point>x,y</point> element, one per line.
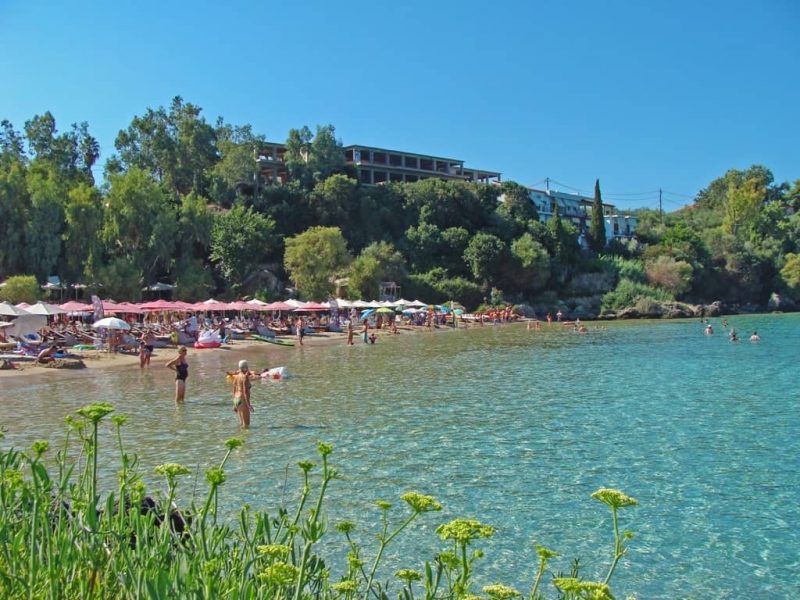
<point>59,540</point>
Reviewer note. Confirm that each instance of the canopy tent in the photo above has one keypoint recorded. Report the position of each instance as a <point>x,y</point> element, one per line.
<point>43,308</point>
<point>416,304</point>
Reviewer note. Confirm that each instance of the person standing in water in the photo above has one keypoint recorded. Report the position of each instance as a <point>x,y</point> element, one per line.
<point>146,348</point>
<point>241,393</point>
<point>350,333</point>
<point>181,368</point>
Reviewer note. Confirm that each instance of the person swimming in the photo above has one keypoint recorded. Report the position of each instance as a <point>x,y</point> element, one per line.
<point>709,329</point>
<point>755,337</point>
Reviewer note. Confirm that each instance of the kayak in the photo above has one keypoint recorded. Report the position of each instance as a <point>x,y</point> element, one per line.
<point>276,341</point>
<point>84,347</point>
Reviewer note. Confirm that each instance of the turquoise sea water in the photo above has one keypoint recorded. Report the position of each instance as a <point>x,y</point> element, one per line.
<point>513,427</point>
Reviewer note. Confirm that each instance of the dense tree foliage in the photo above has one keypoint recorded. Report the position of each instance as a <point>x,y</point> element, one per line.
<point>314,258</point>
<point>184,200</point>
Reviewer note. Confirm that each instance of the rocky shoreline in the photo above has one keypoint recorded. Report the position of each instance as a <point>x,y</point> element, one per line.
<point>587,309</point>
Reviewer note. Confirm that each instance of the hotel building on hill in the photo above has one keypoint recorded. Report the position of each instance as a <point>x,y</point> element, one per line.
<point>577,209</point>
<point>379,165</point>
<point>376,166</point>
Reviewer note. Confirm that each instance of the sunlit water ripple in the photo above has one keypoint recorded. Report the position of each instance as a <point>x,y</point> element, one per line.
<point>512,427</point>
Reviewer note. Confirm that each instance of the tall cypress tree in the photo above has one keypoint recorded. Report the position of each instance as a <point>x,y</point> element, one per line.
<point>597,228</point>
<point>556,231</point>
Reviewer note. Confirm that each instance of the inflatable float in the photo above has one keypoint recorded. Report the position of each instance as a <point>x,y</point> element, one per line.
<point>208,339</point>
<point>210,344</point>
<point>274,374</point>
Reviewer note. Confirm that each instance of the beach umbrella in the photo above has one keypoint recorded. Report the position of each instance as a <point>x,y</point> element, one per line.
<point>43,308</point>
<point>8,309</point>
<point>342,304</point>
<point>385,310</point>
<point>366,314</point>
<point>279,306</point>
<point>73,306</point>
<point>181,306</point>
<point>26,324</point>
<point>257,302</point>
<point>111,323</point>
<point>312,307</point>
<point>157,305</point>
<point>241,305</point>
<point>127,307</point>
<point>210,304</point>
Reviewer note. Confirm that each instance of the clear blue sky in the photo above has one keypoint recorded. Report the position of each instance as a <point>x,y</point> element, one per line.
<point>641,94</point>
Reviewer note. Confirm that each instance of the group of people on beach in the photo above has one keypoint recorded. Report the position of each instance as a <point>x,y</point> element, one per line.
<point>240,380</point>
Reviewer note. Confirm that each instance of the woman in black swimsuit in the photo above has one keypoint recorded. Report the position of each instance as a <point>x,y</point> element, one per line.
<point>181,368</point>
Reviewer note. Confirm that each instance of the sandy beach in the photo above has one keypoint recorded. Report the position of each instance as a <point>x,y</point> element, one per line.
<point>99,360</point>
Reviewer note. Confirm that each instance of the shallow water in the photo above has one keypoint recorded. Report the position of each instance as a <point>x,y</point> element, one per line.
<point>513,427</point>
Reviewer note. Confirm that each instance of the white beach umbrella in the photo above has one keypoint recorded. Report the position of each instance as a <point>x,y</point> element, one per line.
<point>8,309</point>
<point>111,323</point>
<point>256,302</point>
<point>342,303</point>
<point>26,324</point>
<point>43,308</point>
